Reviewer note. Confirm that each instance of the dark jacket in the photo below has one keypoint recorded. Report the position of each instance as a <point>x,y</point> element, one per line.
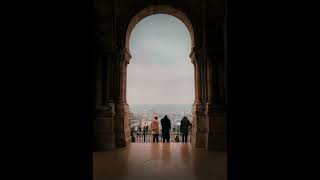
<point>184,126</point>
<point>166,125</point>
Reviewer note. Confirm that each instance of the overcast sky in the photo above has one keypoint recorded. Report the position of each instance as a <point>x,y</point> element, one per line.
<point>160,71</point>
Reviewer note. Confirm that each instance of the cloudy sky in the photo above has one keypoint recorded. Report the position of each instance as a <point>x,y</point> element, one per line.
<point>160,71</point>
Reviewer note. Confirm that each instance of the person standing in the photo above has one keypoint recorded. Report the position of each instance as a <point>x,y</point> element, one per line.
<point>144,132</point>
<point>155,129</point>
<point>184,128</point>
<point>166,126</point>
<point>139,131</point>
<point>133,139</point>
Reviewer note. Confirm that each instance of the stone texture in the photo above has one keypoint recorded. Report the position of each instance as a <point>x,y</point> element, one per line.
<point>115,21</point>
<point>104,136</point>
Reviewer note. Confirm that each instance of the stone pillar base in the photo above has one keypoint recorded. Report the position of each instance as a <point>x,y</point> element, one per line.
<point>217,127</point>
<point>199,137</point>
<point>123,137</point>
<point>217,141</point>
<point>104,136</point>
<point>105,141</point>
<point>199,140</point>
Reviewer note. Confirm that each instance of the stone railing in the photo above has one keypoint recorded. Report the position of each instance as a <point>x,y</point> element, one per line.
<point>148,137</point>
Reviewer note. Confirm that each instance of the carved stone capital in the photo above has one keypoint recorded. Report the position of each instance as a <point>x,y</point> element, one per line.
<point>125,56</point>
<point>196,55</point>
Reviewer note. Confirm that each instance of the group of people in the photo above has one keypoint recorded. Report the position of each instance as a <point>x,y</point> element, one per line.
<point>166,126</point>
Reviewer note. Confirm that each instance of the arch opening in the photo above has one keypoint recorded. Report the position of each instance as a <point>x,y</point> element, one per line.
<point>159,9</point>
<point>185,22</point>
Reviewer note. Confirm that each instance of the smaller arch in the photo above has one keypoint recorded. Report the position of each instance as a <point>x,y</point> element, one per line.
<point>159,9</point>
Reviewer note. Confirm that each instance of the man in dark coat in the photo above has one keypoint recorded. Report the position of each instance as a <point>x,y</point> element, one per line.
<point>184,128</point>
<point>166,126</point>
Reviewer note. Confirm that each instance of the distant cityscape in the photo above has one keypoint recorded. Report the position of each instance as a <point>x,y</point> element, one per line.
<point>144,114</point>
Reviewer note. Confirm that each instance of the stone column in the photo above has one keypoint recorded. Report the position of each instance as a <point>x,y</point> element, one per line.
<point>122,108</point>
<point>104,135</point>
<point>124,61</point>
<point>217,127</point>
<point>199,125</point>
<point>215,107</point>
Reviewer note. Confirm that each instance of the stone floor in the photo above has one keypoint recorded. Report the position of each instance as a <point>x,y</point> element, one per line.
<point>157,161</point>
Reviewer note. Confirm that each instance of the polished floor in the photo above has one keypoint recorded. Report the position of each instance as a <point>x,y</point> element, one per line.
<point>157,161</point>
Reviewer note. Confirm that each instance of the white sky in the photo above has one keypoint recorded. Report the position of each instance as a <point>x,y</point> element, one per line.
<point>160,71</point>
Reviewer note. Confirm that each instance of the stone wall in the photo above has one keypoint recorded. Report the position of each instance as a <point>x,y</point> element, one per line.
<point>115,21</point>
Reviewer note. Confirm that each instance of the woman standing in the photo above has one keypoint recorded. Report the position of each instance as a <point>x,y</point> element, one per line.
<point>155,129</point>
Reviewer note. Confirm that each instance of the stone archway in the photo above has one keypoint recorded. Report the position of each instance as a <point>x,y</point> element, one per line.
<point>199,120</point>
<point>112,116</point>
<point>159,9</point>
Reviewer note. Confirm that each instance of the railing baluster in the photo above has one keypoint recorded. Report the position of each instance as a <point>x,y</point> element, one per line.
<point>148,138</point>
